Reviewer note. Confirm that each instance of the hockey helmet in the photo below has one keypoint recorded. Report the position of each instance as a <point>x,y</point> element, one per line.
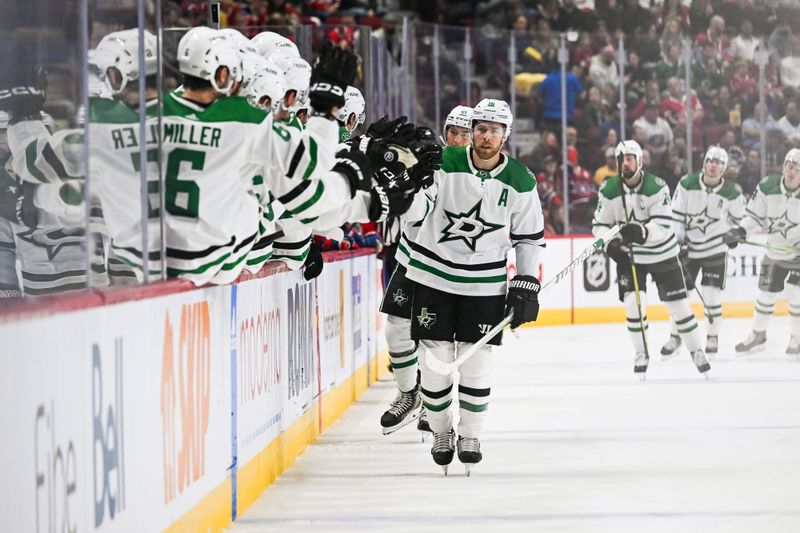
<point>492,110</point>
<point>119,50</point>
<point>242,43</point>
<point>202,51</point>
<point>268,42</point>
<point>268,82</point>
<point>718,153</point>
<point>792,156</point>
<point>297,75</point>
<point>629,148</point>
<point>353,104</point>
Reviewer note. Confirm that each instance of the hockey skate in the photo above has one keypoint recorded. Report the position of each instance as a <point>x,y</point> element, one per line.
<point>640,362</point>
<point>422,423</point>
<point>469,452</point>
<point>712,346</point>
<point>443,448</point>
<point>670,349</point>
<point>403,410</point>
<point>701,362</point>
<point>755,342</point>
<point>793,350</point>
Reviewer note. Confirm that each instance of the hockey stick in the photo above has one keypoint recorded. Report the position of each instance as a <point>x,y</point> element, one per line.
<point>445,368</point>
<point>773,247</point>
<point>696,290</point>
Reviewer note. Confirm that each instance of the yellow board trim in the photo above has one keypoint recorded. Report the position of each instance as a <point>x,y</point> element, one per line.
<point>213,513</point>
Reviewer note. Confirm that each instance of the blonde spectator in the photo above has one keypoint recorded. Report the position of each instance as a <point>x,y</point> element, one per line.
<point>607,170</point>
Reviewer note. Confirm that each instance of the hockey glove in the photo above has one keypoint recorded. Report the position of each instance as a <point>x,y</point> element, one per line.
<point>390,200</point>
<point>633,232</point>
<point>430,160</point>
<point>388,161</point>
<point>333,71</point>
<point>617,251</point>
<point>383,127</point>
<point>16,204</point>
<point>23,91</point>
<point>354,166</point>
<point>734,236</point>
<point>523,298</point>
<point>683,252</point>
<point>314,262</point>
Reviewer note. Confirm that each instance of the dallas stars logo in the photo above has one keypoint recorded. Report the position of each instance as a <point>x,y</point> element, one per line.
<point>52,242</point>
<point>426,319</point>
<point>400,297</point>
<point>781,224</point>
<point>467,227</point>
<point>700,221</point>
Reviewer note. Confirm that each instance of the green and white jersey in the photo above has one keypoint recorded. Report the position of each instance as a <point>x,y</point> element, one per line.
<point>776,210</point>
<point>702,214</point>
<point>474,219</point>
<point>649,204</point>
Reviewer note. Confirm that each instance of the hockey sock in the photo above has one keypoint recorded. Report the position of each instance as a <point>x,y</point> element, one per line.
<point>681,313</point>
<point>765,305</point>
<point>793,292</point>
<point>673,329</point>
<point>402,352</point>
<point>437,390</point>
<point>632,315</point>
<point>473,390</point>
<point>712,296</point>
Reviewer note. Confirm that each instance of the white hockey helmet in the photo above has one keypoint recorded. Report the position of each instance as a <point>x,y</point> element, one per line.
<point>718,153</point>
<point>268,42</point>
<point>202,51</point>
<point>460,116</point>
<point>792,156</point>
<point>119,50</point>
<point>268,82</point>
<point>242,43</point>
<point>354,103</point>
<point>629,148</point>
<point>297,75</point>
<point>252,65</point>
<point>492,110</point>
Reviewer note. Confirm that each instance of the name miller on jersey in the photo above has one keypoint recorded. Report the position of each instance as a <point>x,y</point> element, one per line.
<point>173,133</point>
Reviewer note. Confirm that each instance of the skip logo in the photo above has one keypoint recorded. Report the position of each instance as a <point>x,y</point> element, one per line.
<point>426,319</point>
<point>108,448</point>
<point>400,297</point>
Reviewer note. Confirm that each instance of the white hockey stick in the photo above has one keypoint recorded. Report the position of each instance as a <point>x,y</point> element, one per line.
<point>444,368</point>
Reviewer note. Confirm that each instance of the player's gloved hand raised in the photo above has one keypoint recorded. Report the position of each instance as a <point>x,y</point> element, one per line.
<point>616,250</point>
<point>429,161</point>
<point>388,160</point>
<point>734,236</point>
<point>333,71</point>
<point>523,298</point>
<point>23,91</point>
<point>354,166</point>
<point>314,262</point>
<point>633,232</point>
<point>383,127</point>
<point>391,199</point>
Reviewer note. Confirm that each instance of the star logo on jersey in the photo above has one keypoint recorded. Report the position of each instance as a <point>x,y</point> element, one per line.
<point>467,227</point>
<point>780,224</point>
<point>700,221</point>
<point>54,241</point>
<point>399,297</point>
<point>426,319</point>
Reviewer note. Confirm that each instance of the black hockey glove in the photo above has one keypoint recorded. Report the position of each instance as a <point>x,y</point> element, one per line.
<point>429,161</point>
<point>391,199</point>
<point>616,250</point>
<point>523,298</point>
<point>22,92</point>
<point>314,262</point>
<point>633,232</point>
<point>383,127</point>
<point>734,236</point>
<point>683,252</point>
<point>354,166</point>
<point>333,71</point>
<point>16,204</point>
<point>388,161</point>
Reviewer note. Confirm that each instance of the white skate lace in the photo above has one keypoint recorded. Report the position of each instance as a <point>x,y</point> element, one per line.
<point>402,403</point>
<point>469,444</point>
<point>441,442</point>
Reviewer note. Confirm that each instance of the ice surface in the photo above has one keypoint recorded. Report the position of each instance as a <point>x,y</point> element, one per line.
<point>573,442</point>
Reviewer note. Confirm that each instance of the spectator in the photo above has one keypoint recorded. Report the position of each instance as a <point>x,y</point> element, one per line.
<point>608,169</point>
<point>673,106</point>
<point>752,126</point>
<point>552,202</point>
<point>789,124</point>
<point>775,150</point>
<point>736,155</point>
<point>750,173</point>
<point>634,17</point>
<point>572,148</point>
<point>570,17</point>
<point>647,46</point>
<point>743,84</point>
<point>672,34</point>
<point>745,44</point>
<point>551,96</point>
<point>636,76</point>
<point>670,67</point>
<point>790,67</point>
<point>603,68</point>
<point>548,146</point>
<point>582,198</point>
<point>715,37</point>
<point>651,94</point>
<point>707,75</point>
<point>654,131</point>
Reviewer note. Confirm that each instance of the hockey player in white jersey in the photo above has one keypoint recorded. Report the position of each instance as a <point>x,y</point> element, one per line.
<point>483,203</point>
<point>352,114</point>
<point>705,206</point>
<point>640,203</point>
<point>398,299</point>
<point>775,207</point>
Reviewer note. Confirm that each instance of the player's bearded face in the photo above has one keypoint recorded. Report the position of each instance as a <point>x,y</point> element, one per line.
<point>628,166</point>
<point>791,175</point>
<point>712,169</point>
<point>487,139</point>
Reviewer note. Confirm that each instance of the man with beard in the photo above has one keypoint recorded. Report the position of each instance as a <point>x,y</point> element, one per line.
<point>640,203</point>
<point>482,204</point>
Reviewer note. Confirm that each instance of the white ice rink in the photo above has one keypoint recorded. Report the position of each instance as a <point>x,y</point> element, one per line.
<point>573,442</point>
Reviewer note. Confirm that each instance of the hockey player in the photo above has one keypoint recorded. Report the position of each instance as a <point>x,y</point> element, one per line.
<point>352,114</point>
<point>397,302</point>
<point>483,204</point>
<point>704,208</point>
<point>775,207</point>
<point>640,203</point>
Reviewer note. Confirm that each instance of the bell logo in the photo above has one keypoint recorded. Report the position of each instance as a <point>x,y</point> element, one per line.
<point>185,395</point>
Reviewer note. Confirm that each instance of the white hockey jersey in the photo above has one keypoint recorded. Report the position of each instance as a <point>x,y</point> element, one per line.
<point>776,210</point>
<point>703,214</point>
<point>473,220</point>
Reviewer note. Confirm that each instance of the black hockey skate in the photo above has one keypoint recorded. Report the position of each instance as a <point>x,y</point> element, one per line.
<point>443,448</point>
<point>712,345</point>
<point>640,363</point>
<point>755,342</point>
<point>403,410</point>
<point>670,349</point>
<point>469,452</point>
<point>793,350</point>
<point>422,423</point>
<point>701,362</point>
